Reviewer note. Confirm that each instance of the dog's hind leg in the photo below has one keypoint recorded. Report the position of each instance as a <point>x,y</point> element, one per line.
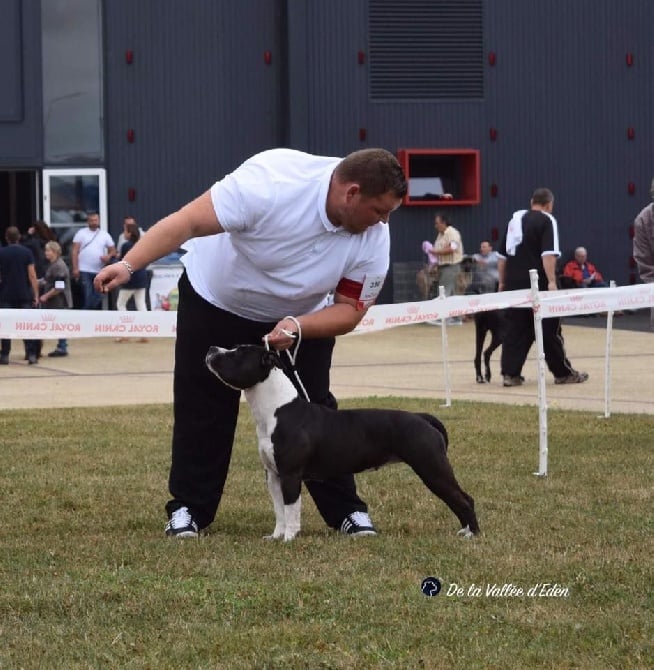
<point>480,336</point>
<point>449,491</point>
<point>291,486</point>
<point>430,463</point>
<point>275,489</point>
<point>496,340</point>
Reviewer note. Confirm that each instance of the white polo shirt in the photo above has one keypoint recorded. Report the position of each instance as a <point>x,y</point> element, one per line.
<point>280,254</point>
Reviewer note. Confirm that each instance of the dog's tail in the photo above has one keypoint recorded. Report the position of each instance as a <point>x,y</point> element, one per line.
<point>432,420</point>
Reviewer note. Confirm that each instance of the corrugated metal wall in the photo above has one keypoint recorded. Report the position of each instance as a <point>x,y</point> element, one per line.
<point>560,96</point>
<point>201,98</point>
<point>198,95</point>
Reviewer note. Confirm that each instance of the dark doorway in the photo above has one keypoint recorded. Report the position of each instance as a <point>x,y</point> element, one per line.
<point>17,200</point>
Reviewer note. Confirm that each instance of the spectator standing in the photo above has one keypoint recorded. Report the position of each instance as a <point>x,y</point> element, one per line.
<point>38,234</point>
<point>35,240</point>
<point>138,282</point>
<point>55,289</point>
<point>531,241</point>
<point>448,252</point>
<point>19,288</point>
<point>300,226</point>
<point>644,245</point>
<point>122,238</point>
<point>448,248</point>
<point>92,249</point>
<point>582,273</point>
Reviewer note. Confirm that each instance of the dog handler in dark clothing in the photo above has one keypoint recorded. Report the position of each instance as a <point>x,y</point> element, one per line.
<point>531,241</point>
<point>295,227</point>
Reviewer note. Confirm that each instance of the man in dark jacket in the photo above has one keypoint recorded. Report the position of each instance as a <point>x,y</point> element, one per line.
<point>19,288</point>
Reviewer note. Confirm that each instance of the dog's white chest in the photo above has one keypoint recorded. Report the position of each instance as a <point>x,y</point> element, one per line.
<point>266,398</point>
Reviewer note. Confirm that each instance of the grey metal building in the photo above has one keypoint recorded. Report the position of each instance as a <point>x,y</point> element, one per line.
<point>139,106</point>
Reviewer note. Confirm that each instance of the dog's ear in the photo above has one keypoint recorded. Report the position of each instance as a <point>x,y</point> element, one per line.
<point>270,359</point>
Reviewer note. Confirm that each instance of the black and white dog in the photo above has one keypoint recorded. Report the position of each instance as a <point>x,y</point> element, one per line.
<point>301,440</point>
<point>492,322</point>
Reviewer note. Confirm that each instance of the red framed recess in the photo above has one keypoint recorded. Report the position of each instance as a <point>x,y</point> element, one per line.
<point>434,173</point>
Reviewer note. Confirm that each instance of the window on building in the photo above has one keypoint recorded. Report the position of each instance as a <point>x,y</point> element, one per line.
<point>72,82</point>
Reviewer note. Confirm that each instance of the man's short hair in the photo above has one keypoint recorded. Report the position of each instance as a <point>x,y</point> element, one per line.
<point>377,171</point>
<point>443,217</point>
<point>542,196</point>
<point>12,235</point>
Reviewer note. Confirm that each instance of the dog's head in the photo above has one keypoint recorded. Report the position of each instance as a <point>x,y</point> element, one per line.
<point>243,367</point>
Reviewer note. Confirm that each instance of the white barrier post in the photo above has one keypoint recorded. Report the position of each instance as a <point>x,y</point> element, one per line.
<point>607,360</point>
<point>542,398</point>
<point>446,367</point>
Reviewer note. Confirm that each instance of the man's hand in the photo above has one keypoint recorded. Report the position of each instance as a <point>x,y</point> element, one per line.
<point>283,335</point>
<point>111,277</point>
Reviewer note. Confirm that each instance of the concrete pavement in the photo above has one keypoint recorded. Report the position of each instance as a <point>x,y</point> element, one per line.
<point>405,361</point>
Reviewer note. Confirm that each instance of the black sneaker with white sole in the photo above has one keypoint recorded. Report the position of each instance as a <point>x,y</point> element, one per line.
<point>357,524</point>
<point>181,524</point>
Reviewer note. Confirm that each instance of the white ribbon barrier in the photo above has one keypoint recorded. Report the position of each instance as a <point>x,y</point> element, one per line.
<point>69,323</point>
<point>43,324</point>
<point>382,317</point>
<point>592,300</point>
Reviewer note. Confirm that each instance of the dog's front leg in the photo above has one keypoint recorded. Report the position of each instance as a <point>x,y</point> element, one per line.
<point>291,487</point>
<point>275,490</point>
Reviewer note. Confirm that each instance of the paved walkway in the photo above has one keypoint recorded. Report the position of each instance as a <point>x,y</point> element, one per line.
<point>404,361</point>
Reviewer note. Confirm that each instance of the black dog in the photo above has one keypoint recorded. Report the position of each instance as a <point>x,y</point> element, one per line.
<point>300,440</point>
<point>492,322</point>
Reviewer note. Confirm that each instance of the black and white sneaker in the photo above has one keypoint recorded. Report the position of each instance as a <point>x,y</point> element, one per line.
<point>357,524</point>
<point>181,524</point>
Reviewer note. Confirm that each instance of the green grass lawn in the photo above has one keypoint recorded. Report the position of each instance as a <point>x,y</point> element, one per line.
<point>90,581</point>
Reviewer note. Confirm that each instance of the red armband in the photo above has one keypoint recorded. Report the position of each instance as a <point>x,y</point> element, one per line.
<point>365,293</point>
<point>349,288</point>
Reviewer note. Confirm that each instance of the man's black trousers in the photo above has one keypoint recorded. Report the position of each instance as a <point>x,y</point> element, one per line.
<point>520,335</point>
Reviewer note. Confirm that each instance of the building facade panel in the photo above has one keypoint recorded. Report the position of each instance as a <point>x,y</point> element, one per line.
<point>198,95</point>
<point>21,110</point>
<point>192,89</point>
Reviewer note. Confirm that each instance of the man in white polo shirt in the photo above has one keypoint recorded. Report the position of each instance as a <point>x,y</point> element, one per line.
<point>92,248</point>
<point>273,238</point>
